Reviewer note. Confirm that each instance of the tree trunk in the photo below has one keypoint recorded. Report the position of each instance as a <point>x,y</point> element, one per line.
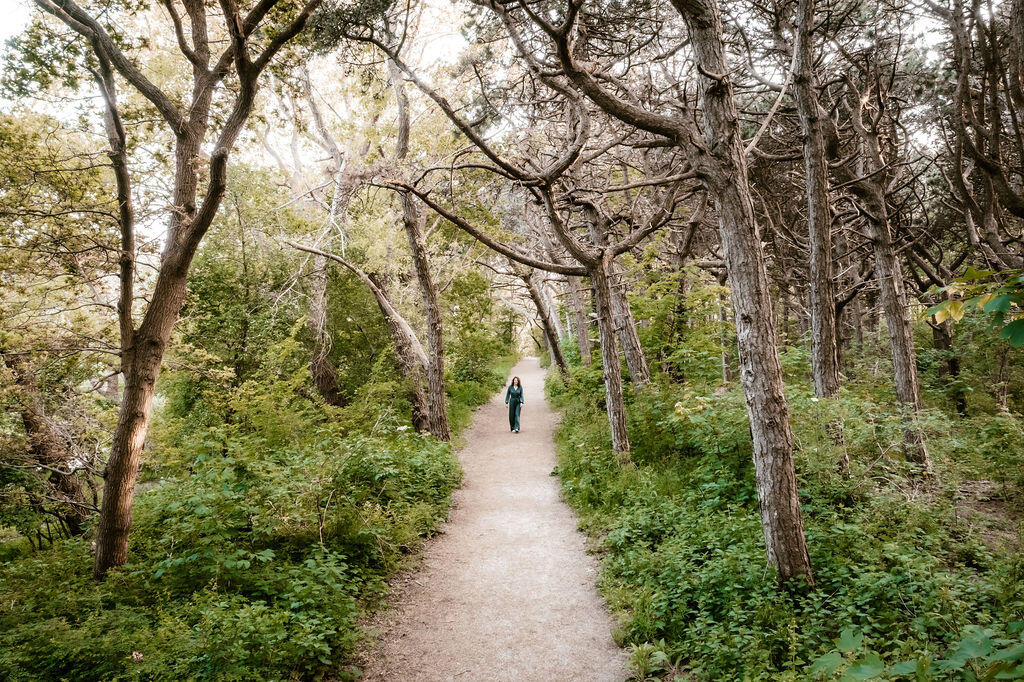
<point>435,331</point>
<point>728,376</point>
<point>547,321</point>
<point>413,223</point>
<point>47,447</point>
<point>636,363</point>
<point>141,366</point>
<point>545,296</point>
<point>894,304</point>
<point>320,366</point>
<point>622,315</point>
<point>614,401</point>
<point>868,183</point>
<point>761,372</point>
<point>824,349</point>
<point>408,363</point>
<point>942,340</point>
<point>582,323</point>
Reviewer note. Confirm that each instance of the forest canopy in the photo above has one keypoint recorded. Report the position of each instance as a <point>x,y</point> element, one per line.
<point>260,261</point>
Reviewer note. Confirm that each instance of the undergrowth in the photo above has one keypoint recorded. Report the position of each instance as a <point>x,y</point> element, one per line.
<point>896,565</point>
<point>258,542</point>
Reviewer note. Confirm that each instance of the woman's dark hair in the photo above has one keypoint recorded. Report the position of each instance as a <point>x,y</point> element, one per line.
<point>516,381</point>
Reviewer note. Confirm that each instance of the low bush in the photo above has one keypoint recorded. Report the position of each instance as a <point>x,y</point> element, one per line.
<point>255,548</point>
<point>683,554</point>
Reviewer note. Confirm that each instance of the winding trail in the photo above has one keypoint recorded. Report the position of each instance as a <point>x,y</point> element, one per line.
<point>507,592</point>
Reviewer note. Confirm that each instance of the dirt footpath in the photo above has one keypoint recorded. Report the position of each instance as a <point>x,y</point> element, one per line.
<point>507,592</point>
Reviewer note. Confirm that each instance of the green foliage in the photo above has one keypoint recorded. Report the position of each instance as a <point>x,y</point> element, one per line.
<point>253,562</point>
<point>266,522</point>
<point>682,328</point>
<point>981,654</point>
<point>683,555</point>
<point>1000,295</point>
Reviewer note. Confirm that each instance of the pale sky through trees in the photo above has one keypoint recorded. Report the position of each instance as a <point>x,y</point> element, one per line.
<point>15,14</point>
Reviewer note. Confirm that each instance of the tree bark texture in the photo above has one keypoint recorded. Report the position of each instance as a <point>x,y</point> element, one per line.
<point>897,316</point>
<point>760,369</point>
<point>547,320</point>
<point>48,448</point>
<point>413,224</point>
<point>625,324</point>
<point>824,359</point>
<point>615,405</point>
<point>325,377</point>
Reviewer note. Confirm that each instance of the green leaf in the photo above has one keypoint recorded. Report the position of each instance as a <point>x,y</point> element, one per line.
<point>998,304</point>
<point>828,663</point>
<point>867,668</point>
<point>973,274</point>
<point>904,668</point>
<point>1014,333</point>
<point>850,640</point>
<point>1010,653</point>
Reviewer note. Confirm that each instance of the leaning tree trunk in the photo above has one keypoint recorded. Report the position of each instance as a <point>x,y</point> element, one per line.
<point>47,447</point>
<point>636,362</point>
<point>141,366</point>
<point>408,363</point>
<point>614,401</point>
<point>325,378</point>
<point>435,331</point>
<point>897,316</point>
<point>622,315</point>
<point>547,321</point>
<point>413,223</point>
<point>760,369</point>
<point>582,323</point>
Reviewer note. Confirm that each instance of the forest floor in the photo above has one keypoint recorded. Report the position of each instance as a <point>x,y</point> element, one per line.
<point>507,591</point>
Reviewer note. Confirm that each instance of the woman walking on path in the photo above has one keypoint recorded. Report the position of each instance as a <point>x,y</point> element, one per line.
<point>514,400</point>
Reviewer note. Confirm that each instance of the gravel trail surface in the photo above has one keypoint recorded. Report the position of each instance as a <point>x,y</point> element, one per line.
<point>507,591</point>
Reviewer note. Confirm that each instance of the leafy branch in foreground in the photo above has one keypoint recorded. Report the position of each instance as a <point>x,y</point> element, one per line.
<point>998,294</point>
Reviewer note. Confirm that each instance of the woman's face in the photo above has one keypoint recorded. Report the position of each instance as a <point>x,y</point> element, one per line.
<point>515,382</point>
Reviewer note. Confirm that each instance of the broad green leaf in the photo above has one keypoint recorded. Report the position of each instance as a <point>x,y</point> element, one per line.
<point>904,668</point>
<point>1010,653</point>
<point>974,275</point>
<point>867,668</point>
<point>1014,333</point>
<point>849,640</point>
<point>828,663</point>
<point>983,300</point>
<point>995,304</point>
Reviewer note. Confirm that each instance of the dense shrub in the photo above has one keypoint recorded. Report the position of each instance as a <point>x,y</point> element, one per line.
<point>257,542</point>
<point>683,554</point>
<point>255,566</point>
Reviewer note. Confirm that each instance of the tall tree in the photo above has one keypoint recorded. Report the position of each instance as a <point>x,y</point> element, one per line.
<point>254,40</point>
